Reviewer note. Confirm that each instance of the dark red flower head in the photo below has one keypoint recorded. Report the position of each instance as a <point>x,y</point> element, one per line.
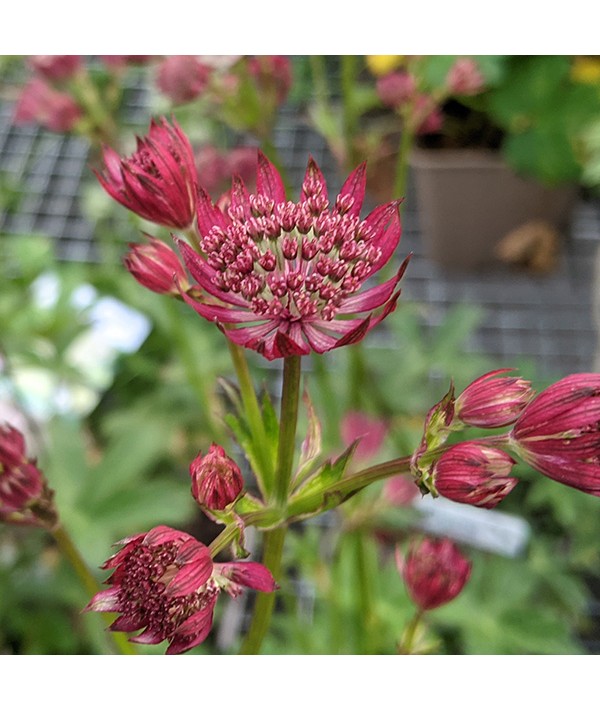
<point>41,103</point>
<point>284,278</point>
<point>166,585</point>
<point>159,181</point>
<point>25,497</point>
<point>558,432</point>
<point>434,571</point>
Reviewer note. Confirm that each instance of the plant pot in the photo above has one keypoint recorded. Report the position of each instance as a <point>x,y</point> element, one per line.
<point>469,199</point>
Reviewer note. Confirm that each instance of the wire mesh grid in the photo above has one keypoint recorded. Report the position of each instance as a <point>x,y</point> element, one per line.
<point>546,319</point>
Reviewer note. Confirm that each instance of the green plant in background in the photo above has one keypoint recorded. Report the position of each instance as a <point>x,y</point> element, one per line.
<point>539,111</point>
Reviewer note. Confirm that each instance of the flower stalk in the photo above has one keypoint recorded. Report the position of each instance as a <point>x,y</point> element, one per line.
<point>274,539</point>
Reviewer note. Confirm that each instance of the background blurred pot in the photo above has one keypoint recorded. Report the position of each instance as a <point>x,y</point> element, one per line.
<point>468,200</point>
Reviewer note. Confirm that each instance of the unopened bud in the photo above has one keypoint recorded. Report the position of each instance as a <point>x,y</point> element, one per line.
<point>216,479</point>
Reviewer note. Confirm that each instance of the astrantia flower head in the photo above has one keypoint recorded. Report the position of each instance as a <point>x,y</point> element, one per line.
<point>25,497</point>
<point>558,432</point>
<point>166,585</point>
<point>434,571</point>
<point>283,278</point>
<point>159,181</point>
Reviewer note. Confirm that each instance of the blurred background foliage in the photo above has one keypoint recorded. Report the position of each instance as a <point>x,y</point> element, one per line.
<point>115,428</point>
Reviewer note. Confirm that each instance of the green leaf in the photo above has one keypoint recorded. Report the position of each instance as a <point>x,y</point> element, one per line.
<point>312,444</point>
<point>125,461</point>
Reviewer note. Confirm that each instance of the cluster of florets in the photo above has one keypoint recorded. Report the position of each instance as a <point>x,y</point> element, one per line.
<point>166,585</point>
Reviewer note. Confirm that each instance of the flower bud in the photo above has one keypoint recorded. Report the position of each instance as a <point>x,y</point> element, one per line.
<point>158,181</point>
<point>472,473</point>
<point>216,479</point>
<point>56,67</point>
<point>465,78</point>
<point>182,78</point>
<point>558,432</point>
<point>431,118</point>
<point>272,75</point>
<point>492,401</point>
<point>24,495</point>
<point>434,571</point>
<point>156,266</point>
<point>396,89</point>
<point>40,103</point>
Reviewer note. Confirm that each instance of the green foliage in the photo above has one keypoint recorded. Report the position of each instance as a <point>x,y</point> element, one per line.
<point>544,114</point>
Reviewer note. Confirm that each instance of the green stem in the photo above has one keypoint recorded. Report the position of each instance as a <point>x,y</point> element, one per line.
<point>343,489</point>
<point>319,80</point>
<point>408,638</point>
<point>357,377</point>
<point>290,398</point>
<point>365,593</point>
<point>103,126</point>
<point>275,538</point>
<point>253,416</point>
<point>263,609</point>
<point>72,554</point>
<point>224,539</point>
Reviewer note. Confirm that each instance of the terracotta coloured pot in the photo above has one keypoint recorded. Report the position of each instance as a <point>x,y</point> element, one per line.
<point>468,200</point>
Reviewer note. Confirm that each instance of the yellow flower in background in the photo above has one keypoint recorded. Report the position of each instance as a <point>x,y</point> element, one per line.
<point>381,64</point>
<point>586,70</point>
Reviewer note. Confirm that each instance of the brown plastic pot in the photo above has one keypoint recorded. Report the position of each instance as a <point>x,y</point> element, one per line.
<point>468,200</point>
